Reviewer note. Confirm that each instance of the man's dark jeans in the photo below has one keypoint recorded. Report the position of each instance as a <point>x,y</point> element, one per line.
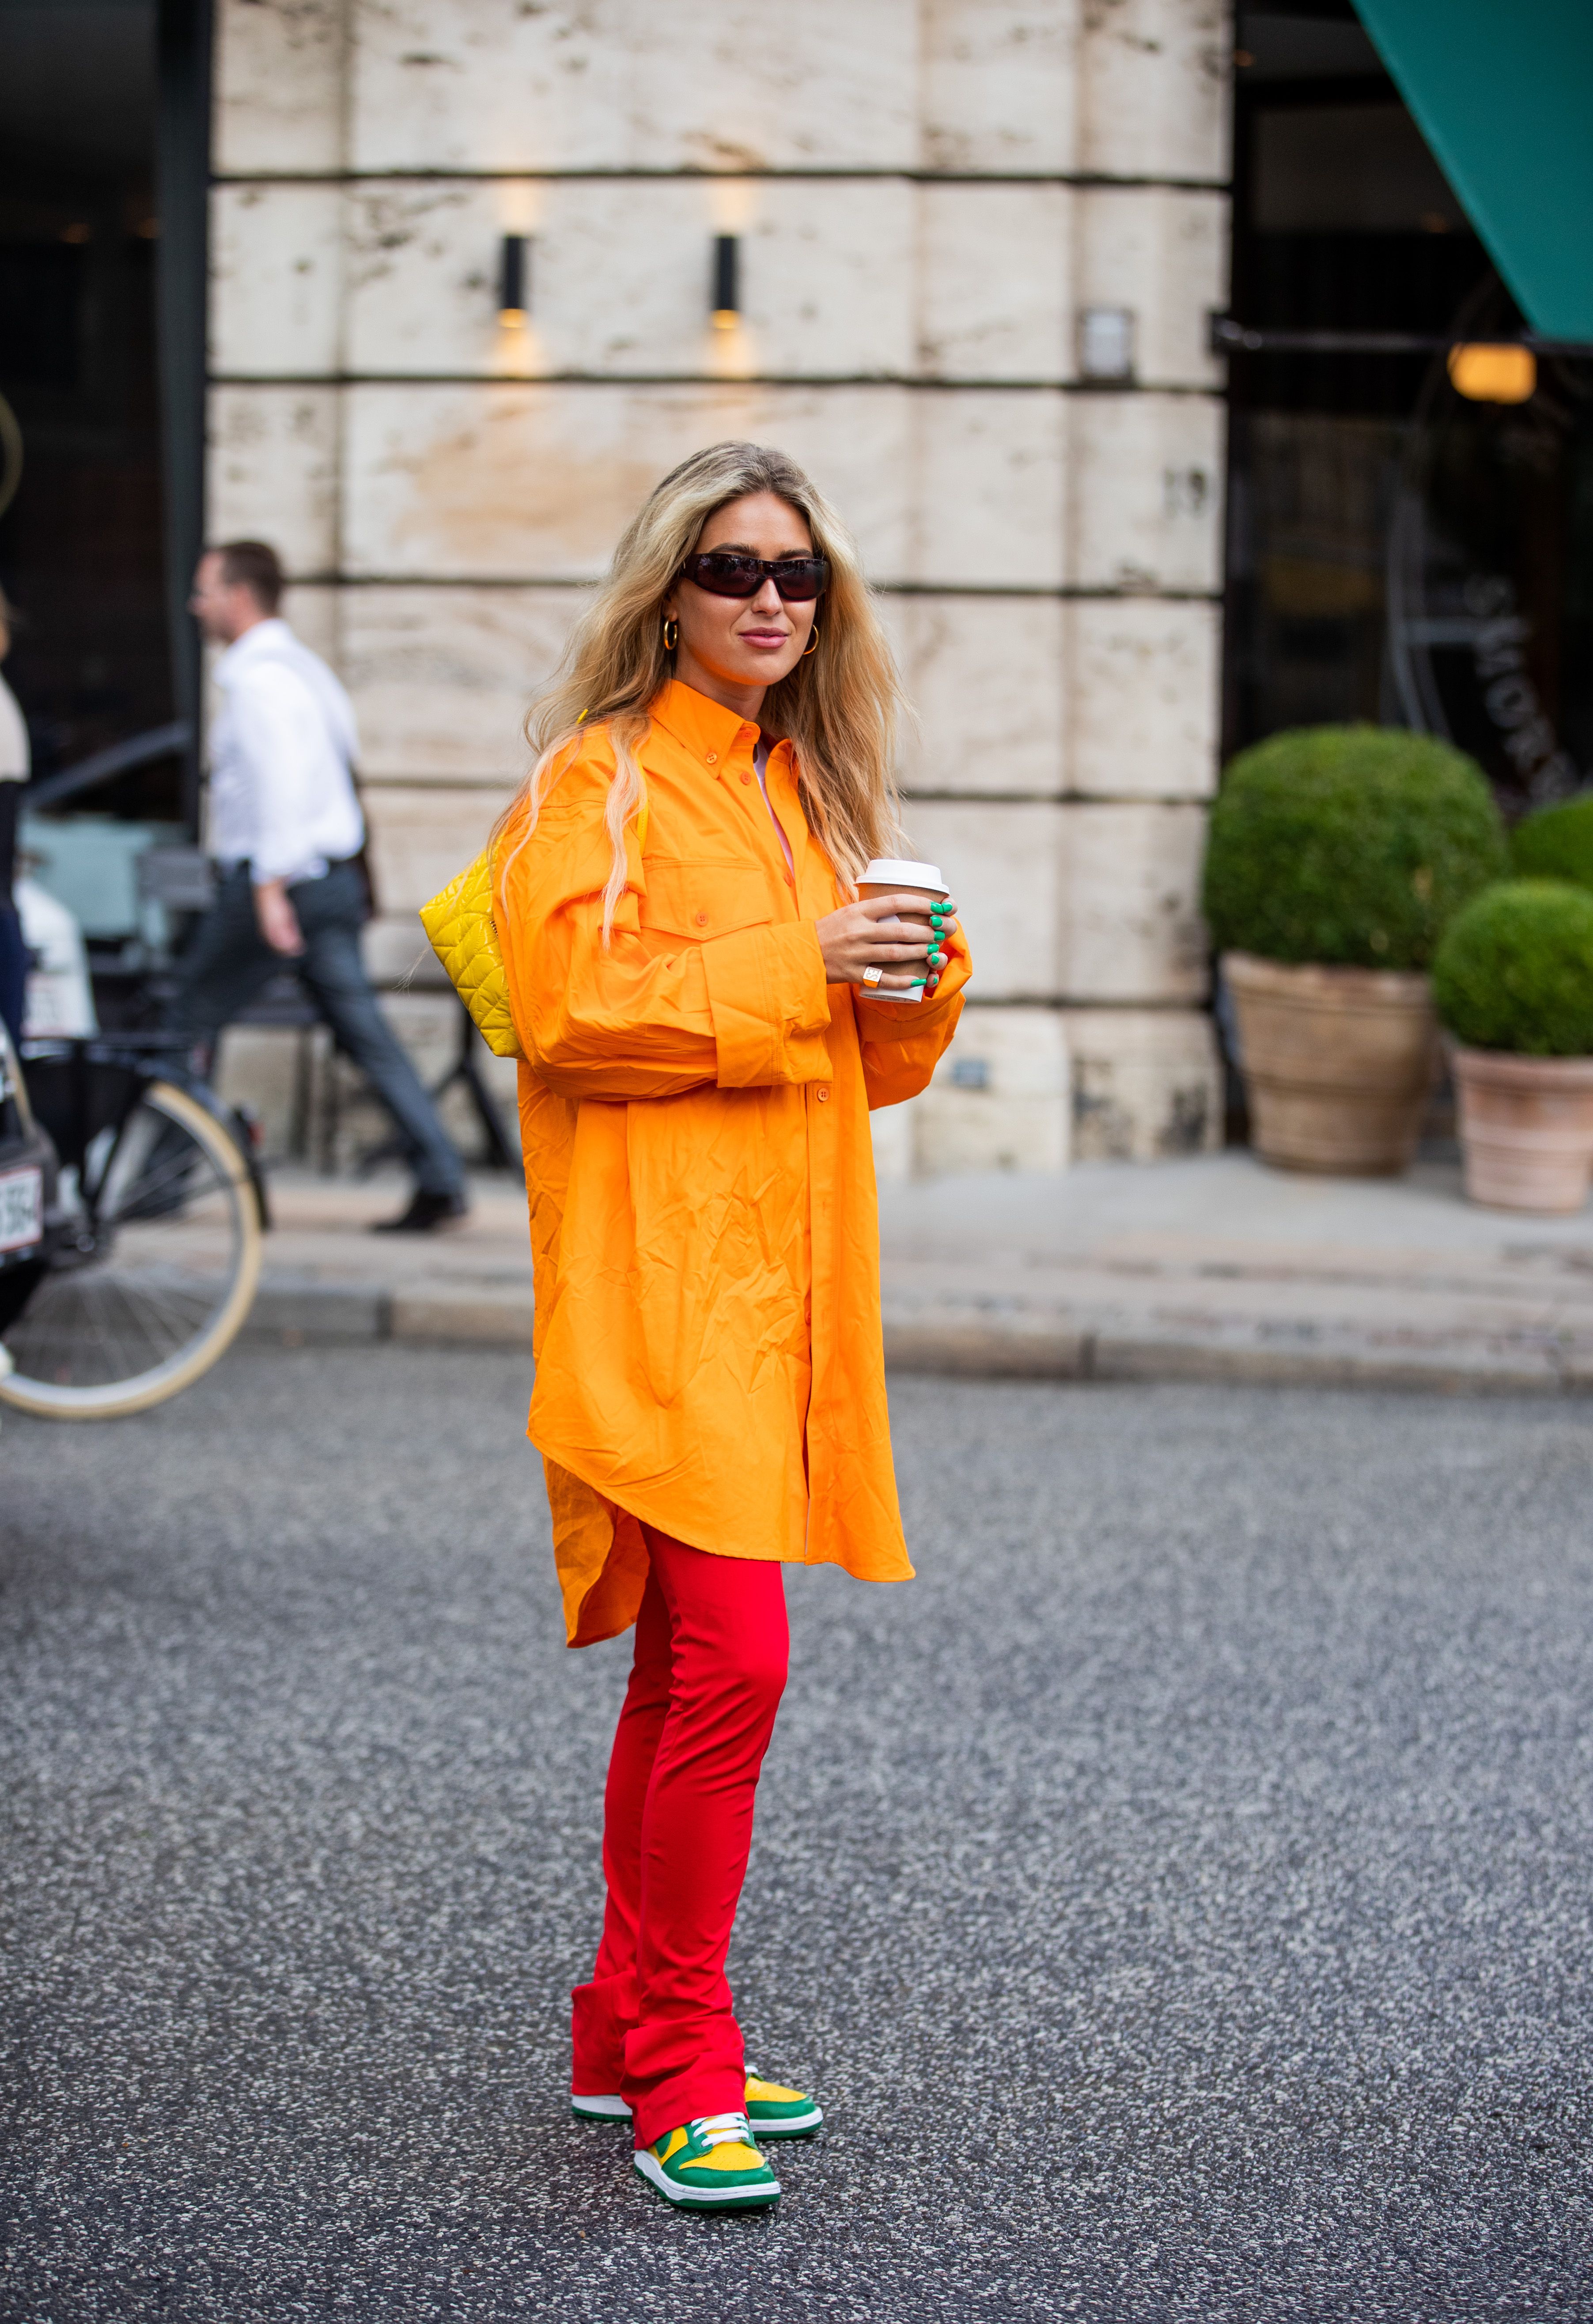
<point>229,961</point>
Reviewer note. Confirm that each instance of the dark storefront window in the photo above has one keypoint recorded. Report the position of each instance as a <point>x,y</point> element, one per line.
<point>81,545</point>
<point>1396,552</point>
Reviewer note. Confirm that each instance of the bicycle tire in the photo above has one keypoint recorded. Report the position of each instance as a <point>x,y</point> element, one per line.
<point>53,1399</point>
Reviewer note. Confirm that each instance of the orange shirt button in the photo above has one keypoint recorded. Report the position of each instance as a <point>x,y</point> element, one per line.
<point>702,919</point>
<point>823,1096</point>
<point>712,757</point>
<point>746,777</point>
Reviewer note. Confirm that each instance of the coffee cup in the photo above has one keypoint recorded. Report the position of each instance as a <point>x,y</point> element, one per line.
<point>892,876</point>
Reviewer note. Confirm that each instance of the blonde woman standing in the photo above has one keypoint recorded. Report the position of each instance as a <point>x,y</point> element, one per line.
<point>697,997</point>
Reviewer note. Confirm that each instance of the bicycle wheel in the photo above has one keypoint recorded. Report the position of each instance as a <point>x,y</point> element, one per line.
<point>158,1277</point>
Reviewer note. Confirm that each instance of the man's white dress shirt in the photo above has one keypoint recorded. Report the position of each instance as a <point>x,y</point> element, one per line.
<point>282,790</point>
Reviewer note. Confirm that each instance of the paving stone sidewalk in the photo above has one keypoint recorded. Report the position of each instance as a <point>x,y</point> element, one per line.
<point>1210,1268</point>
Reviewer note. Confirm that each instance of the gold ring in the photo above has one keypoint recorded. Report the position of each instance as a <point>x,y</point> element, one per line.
<point>872,976</point>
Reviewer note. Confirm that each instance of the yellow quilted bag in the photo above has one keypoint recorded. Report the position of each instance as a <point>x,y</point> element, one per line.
<point>465,937</point>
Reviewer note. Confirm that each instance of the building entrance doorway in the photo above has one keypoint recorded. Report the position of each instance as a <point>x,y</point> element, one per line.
<point>81,545</point>
<point>1399,550</point>
<point>103,155</point>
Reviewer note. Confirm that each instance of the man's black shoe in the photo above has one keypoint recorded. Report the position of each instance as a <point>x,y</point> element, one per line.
<point>426,1212</point>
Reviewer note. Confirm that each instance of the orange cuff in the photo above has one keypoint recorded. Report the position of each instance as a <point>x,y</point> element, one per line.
<point>766,992</point>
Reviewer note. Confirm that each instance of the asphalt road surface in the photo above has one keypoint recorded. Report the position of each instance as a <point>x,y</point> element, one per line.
<point>1180,1896</point>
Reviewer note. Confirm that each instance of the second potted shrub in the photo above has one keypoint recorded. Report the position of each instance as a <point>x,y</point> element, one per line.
<point>1338,855</point>
<point>1513,984</point>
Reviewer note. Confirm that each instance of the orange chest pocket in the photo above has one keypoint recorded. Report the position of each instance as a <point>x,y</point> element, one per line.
<point>703,898</point>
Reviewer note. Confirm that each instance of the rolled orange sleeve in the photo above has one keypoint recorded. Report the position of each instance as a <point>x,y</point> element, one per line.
<point>623,1021</point>
<point>902,1046</point>
<point>770,1008</point>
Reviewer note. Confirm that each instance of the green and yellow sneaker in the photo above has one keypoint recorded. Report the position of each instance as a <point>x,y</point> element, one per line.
<point>604,2106</point>
<point>776,2112</point>
<point>711,2165</point>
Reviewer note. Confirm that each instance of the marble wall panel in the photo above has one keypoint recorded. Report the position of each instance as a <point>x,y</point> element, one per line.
<point>276,269</point>
<point>314,611</point>
<point>422,272</point>
<point>1147,1084</point>
<point>419,838</point>
<point>278,80</point>
<point>1142,697</point>
<point>828,277</point>
<point>263,1067</point>
<point>995,299</point>
<point>622,84</point>
<point>1004,863</point>
<point>998,85</point>
<point>442,678</point>
<point>272,472</point>
<point>1153,89</point>
<point>1163,254</point>
<point>1018,1117</point>
<point>396,953</point>
<point>1130,926</point>
<point>503,483</point>
<point>620,285</point>
<point>984,676</point>
<point>1145,477</point>
<point>988,502</point>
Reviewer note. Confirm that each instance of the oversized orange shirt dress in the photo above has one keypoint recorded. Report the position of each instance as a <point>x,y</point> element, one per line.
<point>695,1112</point>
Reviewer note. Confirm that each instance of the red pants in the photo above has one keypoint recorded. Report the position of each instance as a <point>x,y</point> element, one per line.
<point>657,2023</point>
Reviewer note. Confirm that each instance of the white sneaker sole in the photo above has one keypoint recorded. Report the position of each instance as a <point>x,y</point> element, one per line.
<point>703,2198</point>
<point>602,2108</point>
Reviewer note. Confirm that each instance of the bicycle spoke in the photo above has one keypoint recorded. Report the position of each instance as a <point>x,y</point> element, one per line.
<point>171,1211</point>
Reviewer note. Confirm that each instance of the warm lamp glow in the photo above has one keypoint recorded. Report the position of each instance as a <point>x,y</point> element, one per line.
<point>1494,375</point>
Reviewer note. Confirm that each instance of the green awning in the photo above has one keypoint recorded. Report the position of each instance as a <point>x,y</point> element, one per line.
<point>1503,92</point>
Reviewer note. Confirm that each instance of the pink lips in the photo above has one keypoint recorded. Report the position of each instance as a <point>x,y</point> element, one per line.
<point>763,636</point>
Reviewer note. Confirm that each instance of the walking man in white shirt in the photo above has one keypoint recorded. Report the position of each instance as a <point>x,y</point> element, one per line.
<point>285,829</point>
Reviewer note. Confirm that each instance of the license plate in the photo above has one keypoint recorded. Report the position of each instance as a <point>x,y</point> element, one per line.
<point>21,1208</point>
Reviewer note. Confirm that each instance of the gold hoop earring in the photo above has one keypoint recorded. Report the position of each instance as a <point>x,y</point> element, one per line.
<point>813,643</point>
<point>671,633</point>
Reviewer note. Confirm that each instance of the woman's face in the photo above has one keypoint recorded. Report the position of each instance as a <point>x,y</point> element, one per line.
<point>745,641</point>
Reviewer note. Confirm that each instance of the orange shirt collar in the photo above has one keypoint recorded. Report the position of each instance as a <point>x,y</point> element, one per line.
<point>702,726</point>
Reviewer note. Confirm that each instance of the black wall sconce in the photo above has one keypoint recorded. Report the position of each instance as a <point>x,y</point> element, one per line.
<point>727,289</point>
<point>514,279</point>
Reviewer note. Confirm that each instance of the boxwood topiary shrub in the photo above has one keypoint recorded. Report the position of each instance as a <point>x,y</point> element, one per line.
<point>1515,971</point>
<point>1353,847</point>
<point>1556,843</point>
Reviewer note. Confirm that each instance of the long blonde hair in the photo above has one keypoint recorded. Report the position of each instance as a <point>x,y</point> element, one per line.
<point>838,708</point>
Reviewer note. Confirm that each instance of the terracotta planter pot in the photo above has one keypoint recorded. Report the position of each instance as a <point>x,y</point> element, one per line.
<point>1339,1063</point>
<point>1527,1129</point>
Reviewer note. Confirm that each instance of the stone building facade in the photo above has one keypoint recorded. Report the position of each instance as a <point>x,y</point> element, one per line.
<point>943,210</point>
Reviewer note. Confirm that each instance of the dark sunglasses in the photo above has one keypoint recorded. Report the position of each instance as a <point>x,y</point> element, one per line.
<point>724,574</point>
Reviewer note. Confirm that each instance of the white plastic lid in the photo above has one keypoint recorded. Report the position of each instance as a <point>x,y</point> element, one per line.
<point>889,872</point>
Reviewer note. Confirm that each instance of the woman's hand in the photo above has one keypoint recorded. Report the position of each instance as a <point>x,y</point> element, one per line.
<point>900,935</point>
